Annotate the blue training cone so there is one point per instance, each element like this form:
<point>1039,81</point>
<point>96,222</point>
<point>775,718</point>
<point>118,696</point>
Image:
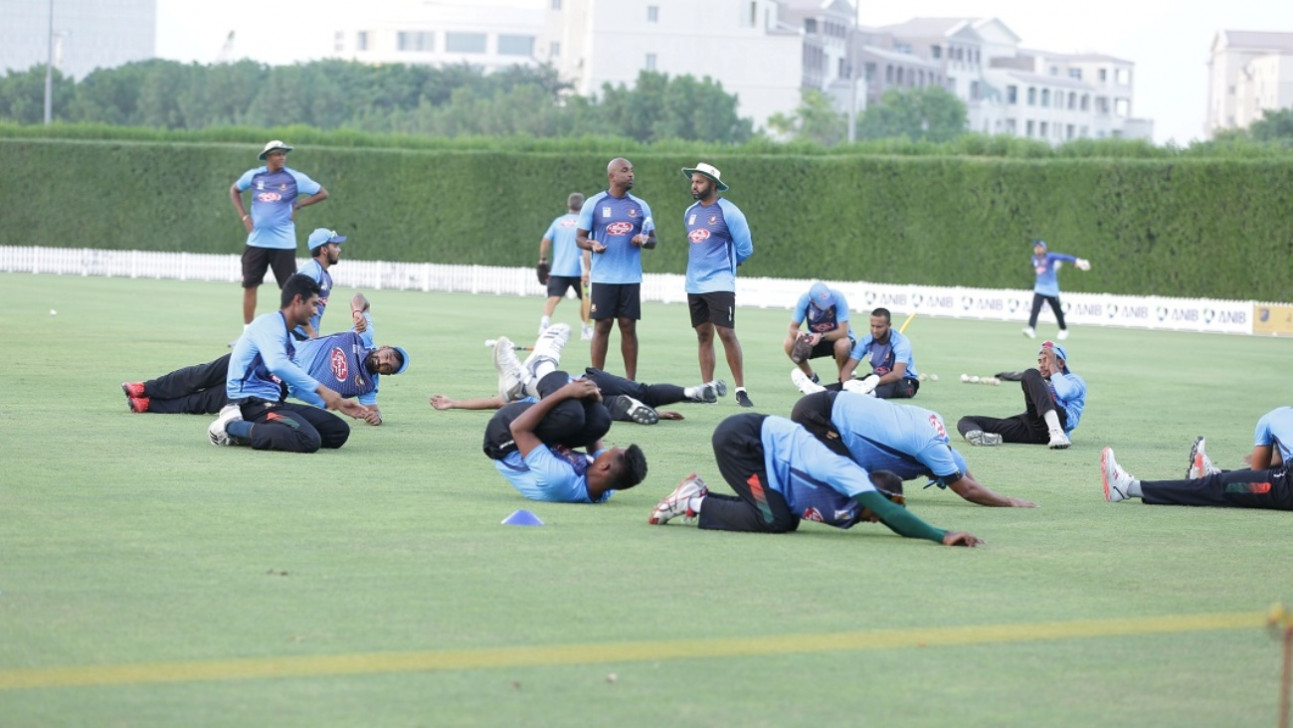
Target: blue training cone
<point>522,518</point>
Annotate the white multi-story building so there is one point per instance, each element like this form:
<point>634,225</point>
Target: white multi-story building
<point>88,34</point>
<point>1249,73</point>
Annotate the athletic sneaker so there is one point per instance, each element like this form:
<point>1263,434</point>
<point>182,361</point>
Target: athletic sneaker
<point>678,502</point>
<point>711,391</point>
<point>133,389</point>
<point>1200,464</point>
<point>511,375</point>
<point>218,430</point>
<point>1028,331</point>
<point>983,439</point>
<point>624,408</point>
<point>1059,441</point>
<point>587,333</point>
<point>803,383</point>
<point>1063,334</point>
<point>1117,482</point>
<point>743,398</point>
<point>138,404</point>
<point>546,356</point>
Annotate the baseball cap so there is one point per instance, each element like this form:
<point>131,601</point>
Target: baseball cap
<point>323,236</point>
<point>271,146</point>
<point>820,294</point>
<point>709,171</point>
<point>404,357</point>
<point>1037,242</point>
<point>1060,353</point>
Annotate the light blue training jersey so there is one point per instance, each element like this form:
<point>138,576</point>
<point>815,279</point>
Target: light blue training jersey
<point>719,241</point>
<point>821,319</point>
<point>884,356</point>
<point>272,198</point>
<point>613,221</point>
<point>818,484</point>
<point>338,362</point>
<point>909,441</point>
<point>567,258</point>
<point>1275,429</point>
<point>1045,266</point>
<point>1069,392</point>
<point>320,275</point>
<point>550,473</point>
<point>262,357</point>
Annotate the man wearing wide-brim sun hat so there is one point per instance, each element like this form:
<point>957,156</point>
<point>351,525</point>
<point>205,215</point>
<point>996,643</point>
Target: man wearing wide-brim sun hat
<point>718,242</point>
<point>277,192</point>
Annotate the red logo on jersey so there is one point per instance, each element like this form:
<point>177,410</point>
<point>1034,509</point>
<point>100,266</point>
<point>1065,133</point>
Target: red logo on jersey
<point>699,235</point>
<point>269,197</point>
<point>338,365</point>
<point>937,423</point>
<point>619,228</point>
<point>569,222</point>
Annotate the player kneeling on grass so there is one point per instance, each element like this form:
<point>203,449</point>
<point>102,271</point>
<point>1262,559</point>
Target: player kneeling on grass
<point>783,474</point>
<point>533,445</point>
<point>1054,398</point>
<point>1265,485</point>
<point>260,364</point>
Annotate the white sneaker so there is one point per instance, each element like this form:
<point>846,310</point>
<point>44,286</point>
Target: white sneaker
<point>1059,440</point>
<point>677,503</point>
<point>711,391</point>
<point>1200,464</point>
<point>1028,331</point>
<point>1117,482</point>
<point>546,356</point>
<point>587,333</point>
<point>803,383</point>
<point>979,438</point>
<point>218,431</point>
<point>1063,334</point>
<point>511,375</point>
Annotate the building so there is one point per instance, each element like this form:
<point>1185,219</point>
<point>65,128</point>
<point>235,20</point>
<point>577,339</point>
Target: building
<point>1249,72</point>
<point>88,34</point>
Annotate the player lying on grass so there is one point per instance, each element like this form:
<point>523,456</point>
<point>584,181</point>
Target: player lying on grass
<point>627,400</point>
<point>349,362</point>
<point>536,445</point>
<point>1054,398</point>
<point>783,474</point>
<point>903,439</point>
<point>1264,485</point>
<point>261,364</point>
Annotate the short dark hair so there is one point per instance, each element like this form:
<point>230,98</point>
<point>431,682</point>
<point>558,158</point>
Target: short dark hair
<point>889,485</point>
<point>299,285</point>
<point>574,201</point>
<point>398,355</point>
<point>882,312</point>
<point>634,467</point>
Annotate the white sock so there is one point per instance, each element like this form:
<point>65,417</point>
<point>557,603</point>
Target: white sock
<point>741,389</point>
<point>691,392</point>
<point>245,327</point>
<point>693,503</point>
<point>1134,490</point>
<point>1053,422</point>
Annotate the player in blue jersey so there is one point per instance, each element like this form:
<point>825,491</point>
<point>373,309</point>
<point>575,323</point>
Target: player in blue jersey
<point>1264,484</point>
<point>260,365</point>
<point>893,368</point>
<point>825,312</point>
<point>325,251</point>
<point>719,241</point>
<point>534,445</point>
<point>1054,398</point>
<point>782,474</point>
<point>1047,287</point>
<point>569,267</point>
<point>615,226</point>
<point>277,192</point>
<point>908,441</point>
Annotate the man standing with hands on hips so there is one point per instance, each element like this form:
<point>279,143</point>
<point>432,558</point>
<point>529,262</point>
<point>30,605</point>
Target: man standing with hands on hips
<point>276,191</point>
<point>615,226</point>
<point>719,241</point>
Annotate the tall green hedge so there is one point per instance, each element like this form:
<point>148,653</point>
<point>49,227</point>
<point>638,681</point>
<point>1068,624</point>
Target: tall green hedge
<point>1176,227</point>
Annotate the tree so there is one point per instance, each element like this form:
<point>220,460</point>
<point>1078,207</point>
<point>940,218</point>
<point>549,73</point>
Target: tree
<point>930,113</point>
<point>659,108</point>
<point>1276,125</point>
<point>816,119</point>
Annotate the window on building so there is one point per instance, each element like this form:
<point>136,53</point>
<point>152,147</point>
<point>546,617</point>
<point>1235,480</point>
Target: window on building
<point>1072,100</point>
<point>415,41</point>
<point>554,49</point>
<point>1122,107</point>
<point>1012,95</point>
<point>935,51</point>
<point>810,26</point>
<point>1046,97</point>
<point>1068,132</point>
<point>1075,73</point>
<point>515,45</point>
<point>902,47</point>
<point>464,42</point>
<point>338,41</point>
<point>898,76</point>
<point>556,4</point>
<point>842,69</point>
<point>870,72</point>
<point>653,13</point>
<point>1086,132</point>
<point>1103,75</point>
<point>920,78</point>
<point>1086,102</point>
<point>1101,105</point>
<point>974,90</point>
<point>1043,129</point>
<point>1122,76</point>
<point>1029,129</point>
<point>1055,70</point>
<point>753,16</point>
<point>361,40</point>
<point>888,74</point>
<point>1032,96</point>
<point>650,61</point>
<point>1011,129</point>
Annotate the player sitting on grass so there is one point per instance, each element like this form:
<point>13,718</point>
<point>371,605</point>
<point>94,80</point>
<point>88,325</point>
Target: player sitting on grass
<point>1054,398</point>
<point>1264,485</point>
<point>783,474</point>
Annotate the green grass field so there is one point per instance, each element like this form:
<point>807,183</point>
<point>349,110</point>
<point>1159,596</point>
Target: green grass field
<point>147,578</point>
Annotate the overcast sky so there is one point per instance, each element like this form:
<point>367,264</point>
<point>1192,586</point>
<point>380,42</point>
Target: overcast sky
<point>1168,40</point>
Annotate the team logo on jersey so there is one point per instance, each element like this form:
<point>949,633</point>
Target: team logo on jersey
<point>359,380</point>
<point>936,422</point>
<point>619,228</point>
<point>713,219</point>
<point>269,197</point>
<point>844,516</point>
<point>691,220</point>
<point>569,222</point>
<point>606,212</point>
<point>633,212</point>
<point>260,185</point>
<point>283,187</point>
<point>812,514</point>
<point>699,235</point>
<point>338,364</point>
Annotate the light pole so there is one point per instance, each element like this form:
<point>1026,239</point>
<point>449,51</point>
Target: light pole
<point>49,68</point>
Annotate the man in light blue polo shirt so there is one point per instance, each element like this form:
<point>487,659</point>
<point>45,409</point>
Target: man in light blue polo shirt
<point>276,195</point>
<point>893,367</point>
<point>569,268</point>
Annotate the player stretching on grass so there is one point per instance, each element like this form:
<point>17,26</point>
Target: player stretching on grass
<point>1047,287</point>
<point>782,474</point>
<point>1265,485</point>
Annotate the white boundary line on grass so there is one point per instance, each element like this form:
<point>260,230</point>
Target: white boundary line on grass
<point>614,652</point>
